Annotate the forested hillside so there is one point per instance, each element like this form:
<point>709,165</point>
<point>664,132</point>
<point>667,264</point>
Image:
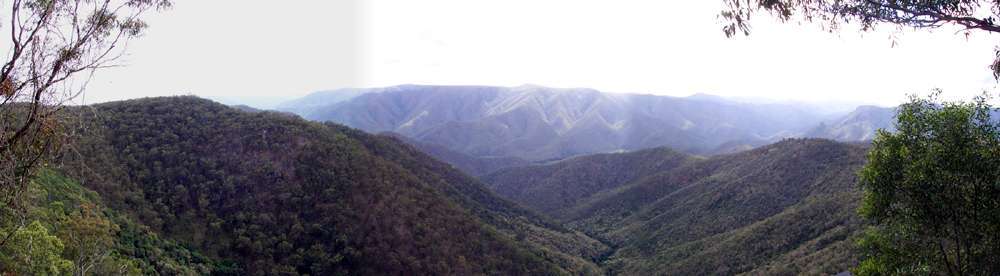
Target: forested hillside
<point>71,231</point>
<point>562,185</point>
<point>271,193</point>
<point>786,208</point>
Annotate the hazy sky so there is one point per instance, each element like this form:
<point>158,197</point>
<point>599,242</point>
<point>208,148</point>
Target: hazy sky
<point>267,50</point>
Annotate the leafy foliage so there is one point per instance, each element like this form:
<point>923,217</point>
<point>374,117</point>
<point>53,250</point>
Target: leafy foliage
<point>73,233</point>
<point>930,189</point>
<point>33,250</point>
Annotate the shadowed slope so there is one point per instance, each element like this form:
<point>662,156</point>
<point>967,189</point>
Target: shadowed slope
<point>552,188</point>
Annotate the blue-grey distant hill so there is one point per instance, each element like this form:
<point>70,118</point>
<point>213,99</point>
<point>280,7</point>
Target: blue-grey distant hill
<point>859,125</point>
<point>540,123</point>
<point>321,99</point>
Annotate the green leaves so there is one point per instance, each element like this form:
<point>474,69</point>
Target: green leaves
<point>31,250</point>
<point>930,191</point>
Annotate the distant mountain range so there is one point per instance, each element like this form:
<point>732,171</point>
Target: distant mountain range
<point>540,124</point>
<point>859,125</point>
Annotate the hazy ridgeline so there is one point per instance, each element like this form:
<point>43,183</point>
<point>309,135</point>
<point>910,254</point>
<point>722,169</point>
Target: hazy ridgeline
<point>481,129</point>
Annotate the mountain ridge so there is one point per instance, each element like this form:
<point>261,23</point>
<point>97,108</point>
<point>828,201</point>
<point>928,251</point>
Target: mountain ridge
<point>537,123</point>
<point>859,125</point>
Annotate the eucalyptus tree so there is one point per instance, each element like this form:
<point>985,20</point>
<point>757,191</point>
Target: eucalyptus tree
<point>53,49</point>
<point>932,192</point>
<point>969,15</point>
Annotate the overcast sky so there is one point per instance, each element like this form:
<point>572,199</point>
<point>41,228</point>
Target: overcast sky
<point>269,50</point>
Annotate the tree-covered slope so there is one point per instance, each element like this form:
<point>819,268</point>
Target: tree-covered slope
<point>552,188</point>
<point>71,232</point>
<point>474,196</point>
<point>786,208</point>
<point>748,213</point>
<point>276,194</point>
